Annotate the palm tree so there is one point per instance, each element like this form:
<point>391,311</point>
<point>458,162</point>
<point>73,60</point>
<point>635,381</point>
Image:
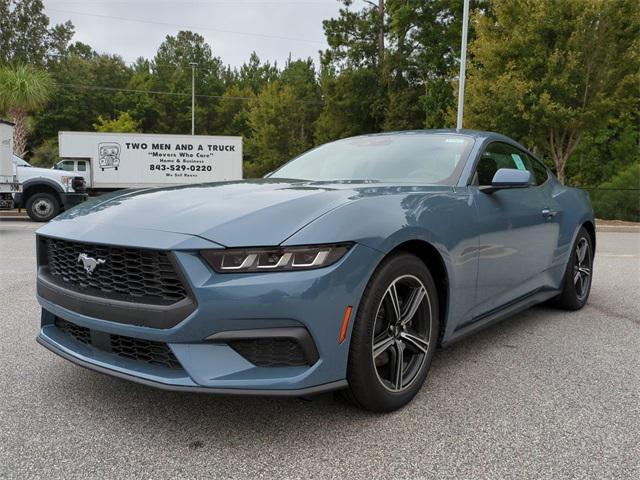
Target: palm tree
<point>23,88</point>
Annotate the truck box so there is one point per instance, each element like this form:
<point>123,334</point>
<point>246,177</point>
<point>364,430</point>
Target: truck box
<point>132,160</point>
<point>9,184</point>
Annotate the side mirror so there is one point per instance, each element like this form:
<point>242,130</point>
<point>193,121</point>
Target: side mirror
<point>506,178</point>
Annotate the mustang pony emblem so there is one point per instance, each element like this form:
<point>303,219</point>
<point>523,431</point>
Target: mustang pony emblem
<point>90,263</point>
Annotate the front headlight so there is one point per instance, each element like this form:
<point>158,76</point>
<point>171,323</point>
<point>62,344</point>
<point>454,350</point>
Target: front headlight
<point>277,259</point>
<point>66,181</point>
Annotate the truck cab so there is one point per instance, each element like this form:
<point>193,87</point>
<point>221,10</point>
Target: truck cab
<point>46,192</point>
<point>76,167</point>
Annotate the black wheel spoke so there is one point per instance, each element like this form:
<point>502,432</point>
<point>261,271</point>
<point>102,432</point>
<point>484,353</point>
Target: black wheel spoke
<point>414,342</point>
<point>382,345</point>
<point>413,303</point>
<point>392,294</point>
<point>397,366</point>
<point>582,268</point>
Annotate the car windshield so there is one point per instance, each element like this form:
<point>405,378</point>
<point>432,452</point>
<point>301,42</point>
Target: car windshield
<point>20,162</point>
<point>415,158</point>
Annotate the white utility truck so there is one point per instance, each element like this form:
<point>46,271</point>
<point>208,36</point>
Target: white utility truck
<point>111,161</point>
<point>41,191</point>
<point>8,180</point>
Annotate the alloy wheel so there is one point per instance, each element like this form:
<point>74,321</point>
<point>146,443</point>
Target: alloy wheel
<point>401,333</point>
<point>582,268</point>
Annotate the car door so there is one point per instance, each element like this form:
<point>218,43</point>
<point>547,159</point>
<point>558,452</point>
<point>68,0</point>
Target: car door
<point>517,236</point>
<point>82,171</point>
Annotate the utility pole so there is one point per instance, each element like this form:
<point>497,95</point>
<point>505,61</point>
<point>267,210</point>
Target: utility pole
<point>193,97</point>
<point>381,33</point>
<point>463,63</point>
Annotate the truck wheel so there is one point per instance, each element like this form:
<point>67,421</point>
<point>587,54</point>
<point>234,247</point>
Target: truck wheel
<point>42,207</point>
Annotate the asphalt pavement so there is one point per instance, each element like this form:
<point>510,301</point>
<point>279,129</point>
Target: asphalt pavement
<point>546,394</point>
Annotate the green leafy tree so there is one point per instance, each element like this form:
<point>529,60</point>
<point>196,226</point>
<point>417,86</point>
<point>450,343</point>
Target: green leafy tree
<point>352,73</point>
<point>123,123</point>
<point>172,73</point>
<point>232,112</point>
<point>301,77</point>
<point>422,62</point>
<point>255,75</point>
<point>619,198</point>
<point>46,154</point>
<point>351,106</point>
<point>87,87</point>
<point>25,35</point>
<point>276,137</point>
<point>546,72</point>
<point>23,88</point>
<point>605,151</point>
<point>400,60</point>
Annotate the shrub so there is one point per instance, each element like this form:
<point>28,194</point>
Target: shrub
<point>619,198</point>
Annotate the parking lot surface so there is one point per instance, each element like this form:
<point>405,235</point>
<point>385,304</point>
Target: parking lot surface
<point>546,394</point>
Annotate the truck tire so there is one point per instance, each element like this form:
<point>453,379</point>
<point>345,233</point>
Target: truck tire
<point>42,207</point>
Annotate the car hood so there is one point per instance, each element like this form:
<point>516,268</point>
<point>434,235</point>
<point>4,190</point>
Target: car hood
<point>245,213</point>
<point>23,173</point>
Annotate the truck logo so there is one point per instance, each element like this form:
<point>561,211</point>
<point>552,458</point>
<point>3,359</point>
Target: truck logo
<point>109,155</point>
<point>89,263</point>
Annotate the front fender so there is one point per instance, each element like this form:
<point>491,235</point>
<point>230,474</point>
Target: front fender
<point>445,219</point>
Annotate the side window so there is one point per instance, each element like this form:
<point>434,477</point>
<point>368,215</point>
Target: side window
<point>82,166</point>
<point>66,165</point>
<point>501,155</point>
<point>539,171</point>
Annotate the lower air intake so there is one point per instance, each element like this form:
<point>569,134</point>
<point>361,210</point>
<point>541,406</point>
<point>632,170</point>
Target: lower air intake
<point>147,351</point>
<point>271,352</point>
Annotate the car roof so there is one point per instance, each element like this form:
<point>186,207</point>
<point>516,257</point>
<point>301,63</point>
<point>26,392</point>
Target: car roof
<point>480,135</point>
<point>444,131</point>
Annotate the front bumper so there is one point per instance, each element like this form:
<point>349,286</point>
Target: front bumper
<point>190,387</point>
<point>313,300</point>
<point>70,200</point>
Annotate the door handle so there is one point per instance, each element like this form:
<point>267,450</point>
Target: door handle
<point>547,213</point>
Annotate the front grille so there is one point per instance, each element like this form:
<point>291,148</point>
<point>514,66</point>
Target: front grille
<point>270,352</point>
<point>147,351</point>
<point>129,274</point>
<point>78,184</point>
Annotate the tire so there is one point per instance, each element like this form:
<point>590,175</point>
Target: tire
<point>576,284</point>
<point>42,207</point>
<point>374,382</point>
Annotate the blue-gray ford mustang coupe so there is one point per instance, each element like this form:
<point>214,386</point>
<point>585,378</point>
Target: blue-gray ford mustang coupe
<point>344,269</point>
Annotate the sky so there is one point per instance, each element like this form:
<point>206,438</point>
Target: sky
<point>233,28</point>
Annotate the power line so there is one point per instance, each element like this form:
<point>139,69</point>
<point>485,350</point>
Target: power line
<point>153,65</point>
<point>191,27</point>
<point>162,92</point>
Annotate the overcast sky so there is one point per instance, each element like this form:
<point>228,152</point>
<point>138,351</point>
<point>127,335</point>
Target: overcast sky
<point>233,28</point>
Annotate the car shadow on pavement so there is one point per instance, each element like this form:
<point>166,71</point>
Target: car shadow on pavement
<point>195,421</point>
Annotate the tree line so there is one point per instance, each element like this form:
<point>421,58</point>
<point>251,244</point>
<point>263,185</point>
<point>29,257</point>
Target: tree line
<point>561,77</point>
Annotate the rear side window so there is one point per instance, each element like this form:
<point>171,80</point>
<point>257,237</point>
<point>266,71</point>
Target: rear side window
<point>501,155</point>
<point>82,167</point>
<point>539,171</point>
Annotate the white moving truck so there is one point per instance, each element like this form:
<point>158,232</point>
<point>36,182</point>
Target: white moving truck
<point>110,161</point>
